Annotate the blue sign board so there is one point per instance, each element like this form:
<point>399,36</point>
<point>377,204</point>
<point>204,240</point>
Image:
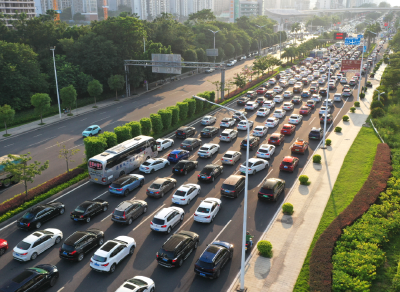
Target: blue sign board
<point>352,41</point>
<point>360,36</point>
<point>58,11</point>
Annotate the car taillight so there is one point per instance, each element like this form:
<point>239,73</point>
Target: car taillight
<point>174,260</point>
<point>208,177</point>
<point>181,170</point>
<point>119,189</point>
<point>27,225</point>
<point>103,179</point>
<point>24,253</point>
<point>124,215</point>
<point>105,265</point>
<point>184,133</point>
<point>198,175</point>
<point>72,253</point>
<point>164,226</point>
<point>230,160</point>
<point>81,216</point>
<point>110,187</point>
<point>91,261</point>
<point>183,199</point>
<point>151,222</point>
<point>157,255</point>
<point>146,167</point>
<point>208,152</point>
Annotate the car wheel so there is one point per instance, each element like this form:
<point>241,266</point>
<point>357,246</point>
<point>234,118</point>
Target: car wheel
<point>212,179</point>
<point>169,230</point>
<point>2,251</point>
<point>132,250</point>
<point>90,135</point>
<point>188,202</point>
<point>185,173</point>
<point>217,274</point>
<point>222,170</point>
<point>196,165</point>
<point>105,208</point>
<point>254,172</point>
<point>130,221</point>
<point>38,225</point>
<point>182,217</point>
<point>87,219</point>
<point>212,219</point>
<point>152,171</point>
<point>145,210</point>
<point>112,268</point>
<point>101,241</point>
<point>62,210</point>
<point>126,193</point>
<point>231,254</point>
<point>174,185</point>
<point>162,194</point>
<point>34,256</point>
<point>180,263</point>
<point>81,256</point>
<point>53,281</point>
<point>196,244</point>
<point>141,183</point>
<point>6,183</point>
<point>152,289</point>
<point>58,239</point>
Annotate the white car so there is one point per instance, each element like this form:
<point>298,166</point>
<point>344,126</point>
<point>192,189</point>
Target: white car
<point>310,78</point>
<point>277,89</point>
<point>36,243</point>
<point>228,135</point>
<point>111,253</point>
<point>185,193</point>
<point>302,68</point>
<point>288,94</point>
<point>337,97</point>
<point>208,150</point>
<point>209,70</point>
<point>316,97</point>
<point>279,113</point>
<point>242,125</point>
<point>292,81</point>
<point>324,76</point>
<point>254,165</point>
<point>316,75</point>
<point>152,165</point>
<point>271,122</point>
<point>231,157</point>
<point>272,81</point>
<point>230,64</point>
<point>208,120</point>
<point>266,151</point>
<point>269,104</point>
<point>163,144</point>
<point>321,81</point>
<point>322,70</point>
<point>297,77</point>
<point>287,106</point>
<point>227,122</point>
<point>336,66</point>
<point>207,210</point>
<point>295,119</point>
<point>278,98</point>
<point>324,110</point>
<point>343,80</point>
<point>166,219</point>
<point>251,105</point>
<point>137,284</point>
<point>263,112</point>
<point>260,131</point>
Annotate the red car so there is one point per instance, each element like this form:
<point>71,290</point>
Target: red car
<point>261,90</point>
<point>276,139</point>
<point>288,129</point>
<point>305,110</point>
<point>299,146</point>
<point>289,163</point>
<point>3,246</point>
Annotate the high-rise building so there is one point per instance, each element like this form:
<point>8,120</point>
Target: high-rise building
<point>221,6</point>
<point>248,8</point>
<point>9,7</point>
<point>140,8</point>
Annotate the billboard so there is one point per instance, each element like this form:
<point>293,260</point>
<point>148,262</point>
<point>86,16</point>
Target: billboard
<point>212,52</point>
<point>175,60</point>
<point>339,35</point>
<point>351,65</point>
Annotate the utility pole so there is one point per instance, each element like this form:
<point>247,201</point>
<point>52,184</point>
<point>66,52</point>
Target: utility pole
<point>55,73</point>
<point>259,41</point>
<point>214,32</point>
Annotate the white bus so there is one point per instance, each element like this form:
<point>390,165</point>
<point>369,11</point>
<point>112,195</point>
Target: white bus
<point>121,159</point>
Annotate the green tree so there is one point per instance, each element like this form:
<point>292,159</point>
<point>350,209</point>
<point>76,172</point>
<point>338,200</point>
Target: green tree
<point>66,154</point>
<point>24,170</point>
<point>68,96</point>
<point>41,102</point>
<point>384,4</point>
<point>116,82</point>
<point>6,115</point>
<point>229,50</point>
<point>190,55</point>
<point>95,88</point>
<point>204,15</point>
<point>240,80</point>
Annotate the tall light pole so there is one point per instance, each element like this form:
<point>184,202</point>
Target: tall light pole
<point>326,101</point>
<point>214,32</point>
<point>55,73</point>
<point>259,41</point>
<point>243,260</point>
<point>379,94</point>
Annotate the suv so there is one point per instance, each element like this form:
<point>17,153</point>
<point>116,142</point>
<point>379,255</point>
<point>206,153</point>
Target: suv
<point>177,248</point>
<point>127,211</point>
<point>228,135</point>
<point>271,189</point>
<point>184,132</point>
<point>213,259</point>
<point>233,185</point>
<point>81,242</point>
<point>254,142</point>
<point>166,219</point>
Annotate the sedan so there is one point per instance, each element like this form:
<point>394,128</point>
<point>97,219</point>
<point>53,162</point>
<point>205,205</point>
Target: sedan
<point>208,120</point>
<point>343,80</point>
<point>269,104</point>
<point>126,183</point>
<point>92,130</point>
<point>289,163</point>
<point>210,172</point>
<point>263,112</point>
<point>160,187</point>
<point>152,165</point>
<point>306,94</point>
<point>288,94</point>
<point>209,132</point>
<point>3,246</point>
<point>231,157</point>
<point>287,106</point>
<point>251,105</point>
<point>254,141</point>
<point>311,104</point>
<point>292,81</point>
<point>352,82</point>
<point>323,110</point>
<point>137,284</point>
<point>279,113</point>
<point>186,193</point>
<point>227,122</point>
<point>238,116</point>
<point>272,81</point>
<point>260,131</point>
<point>242,100</point>
<point>278,99</point>
<point>272,122</point>
<point>316,97</point>
<point>277,89</point>
<point>254,165</point>
<point>323,92</point>
<point>329,118</point>
<point>163,144</point>
<point>37,215</point>
<point>184,166</point>
<point>228,135</point>
<point>208,150</point>
<point>276,139</point>
<point>242,125</point>
<point>266,151</point>
<point>190,143</point>
<point>288,129</point>
<point>176,155</point>
<point>347,93</point>
<point>207,210</point>
<point>296,100</point>
<point>295,119</point>
<point>88,209</point>
<point>261,90</point>
<point>209,70</point>
<point>299,146</point>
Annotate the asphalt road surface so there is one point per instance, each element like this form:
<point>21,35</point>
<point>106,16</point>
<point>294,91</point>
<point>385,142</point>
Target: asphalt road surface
<point>227,226</point>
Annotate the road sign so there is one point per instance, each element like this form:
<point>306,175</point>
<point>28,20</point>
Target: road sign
<point>212,52</point>
<point>360,36</point>
<point>352,41</point>
<point>351,65</point>
<point>365,49</point>
<point>339,35</point>
<point>174,66</point>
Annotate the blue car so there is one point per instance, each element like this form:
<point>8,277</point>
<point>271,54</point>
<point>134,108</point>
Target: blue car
<point>176,155</point>
<point>91,130</point>
<point>126,183</point>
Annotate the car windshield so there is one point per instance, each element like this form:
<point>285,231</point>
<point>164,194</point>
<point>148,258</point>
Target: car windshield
<point>180,165</point>
<point>118,213</point>
<point>187,141</point>
<point>250,164</point>
<point>208,266</point>
<point>158,143</point>
<point>80,209</point>
<point>228,187</point>
<point>228,156</point>
<point>180,193</point>
<point>158,221</point>
<point>204,148</point>
<point>173,156</point>
<point>203,210</point>
<point>115,185</point>
<point>207,170</point>
<point>286,163</point>
<point>164,253</point>
<point>23,245</point>
<point>155,186</point>
<point>68,248</point>
<point>206,130</point>
<point>273,138</point>
<point>28,216</point>
<point>88,129</point>
<point>267,191</point>
<point>146,163</point>
<point>262,150</point>
<point>99,258</point>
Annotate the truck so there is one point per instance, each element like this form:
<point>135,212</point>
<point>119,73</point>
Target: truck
<point>5,177</point>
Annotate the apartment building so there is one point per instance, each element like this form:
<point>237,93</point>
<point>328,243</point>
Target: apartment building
<point>9,7</point>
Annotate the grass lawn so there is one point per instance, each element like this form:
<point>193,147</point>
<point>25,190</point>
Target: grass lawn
<point>355,170</point>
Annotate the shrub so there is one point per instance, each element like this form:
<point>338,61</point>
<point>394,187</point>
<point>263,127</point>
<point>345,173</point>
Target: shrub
<point>123,133</point>
<point>146,125</point>
<point>175,115</point>
<point>317,158</point>
<point>321,257</point>
<point>287,208</point>
<point>199,105</point>
<point>375,104</point>
<point>328,142</point>
<point>94,146</point>
<point>377,112</point>
<point>345,118</point>
<point>352,109</point>
<point>357,104</point>
<point>111,139</point>
<point>338,129</point>
<point>183,110</point>
<point>191,106</point>
<point>212,96</point>
<point>304,180</point>
<point>166,117</point>
<point>136,128</point>
<point>205,95</point>
<point>396,279</point>
<point>362,95</point>
<point>265,248</point>
<point>156,121</point>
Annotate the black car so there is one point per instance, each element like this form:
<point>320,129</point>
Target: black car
<point>184,132</point>
<point>184,166</point>
<point>210,172</point>
<point>177,248</point>
<point>213,259</point>
<point>271,189</point>
<point>209,131</point>
<point>39,214</point>
<point>315,133</point>
<point>254,142</point>
<point>32,279</point>
<point>323,91</point>
<point>79,243</point>
<point>270,95</point>
<point>191,143</point>
<point>88,209</point>
<point>242,100</point>
<point>127,211</point>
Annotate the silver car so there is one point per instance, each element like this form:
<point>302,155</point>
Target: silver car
<point>231,157</point>
<point>228,135</point>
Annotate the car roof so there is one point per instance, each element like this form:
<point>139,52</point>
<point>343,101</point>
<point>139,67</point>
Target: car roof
<point>123,205</point>
<point>160,180</point>
<point>74,237</point>
<point>233,179</point>
<point>231,152</point>
<point>211,166</point>
<point>164,212</point>
<point>176,151</point>
<point>208,145</point>
<point>174,241</point>
<point>288,159</point>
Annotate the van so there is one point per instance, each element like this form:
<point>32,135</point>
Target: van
<point>233,185</point>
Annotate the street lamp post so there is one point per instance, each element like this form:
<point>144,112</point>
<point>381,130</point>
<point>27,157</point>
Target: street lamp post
<point>379,94</point>
<point>214,32</point>
<point>326,101</point>
<point>259,41</point>
<point>55,73</point>
<point>366,75</point>
<point>243,259</point>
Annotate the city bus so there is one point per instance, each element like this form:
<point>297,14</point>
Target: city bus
<point>121,159</point>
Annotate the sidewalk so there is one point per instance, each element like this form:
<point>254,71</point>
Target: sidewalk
<point>291,236</point>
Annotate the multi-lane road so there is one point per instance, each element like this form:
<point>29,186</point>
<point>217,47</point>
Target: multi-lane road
<point>227,226</point>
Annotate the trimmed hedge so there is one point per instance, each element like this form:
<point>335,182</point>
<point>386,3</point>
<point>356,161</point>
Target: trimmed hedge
<point>136,128</point>
<point>316,158</point>
<point>192,106</point>
<point>287,208</point>
<point>94,146</point>
<point>123,133</point>
<point>265,248</point>
<point>183,110</point>
<point>156,121</point>
<point>338,129</point>
<point>345,118</point>
<point>146,125</point>
<point>111,139</point>
<point>20,199</point>
<point>303,179</point>
<point>175,114</point>
<point>321,257</point>
<point>199,105</point>
<point>166,117</point>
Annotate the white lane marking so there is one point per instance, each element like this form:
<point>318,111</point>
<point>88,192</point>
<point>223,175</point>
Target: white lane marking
<point>184,223</point>
<point>75,146</point>
<point>60,289</point>
<point>114,122</point>
<point>37,135</point>
<point>69,192</point>
<point>102,113</point>
<point>148,217</point>
<point>83,119</point>
<point>311,120</point>
<point>264,178</point>
<point>101,119</point>
<point>156,105</point>
<point>100,195</point>
<point>61,127</point>
<point>42,141</point>
<point>8,225</point>
<point>222,230</point>
<point>119,106</point>
<point>9,145</point>
<point>106,217</point>
<point>60,143</point>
